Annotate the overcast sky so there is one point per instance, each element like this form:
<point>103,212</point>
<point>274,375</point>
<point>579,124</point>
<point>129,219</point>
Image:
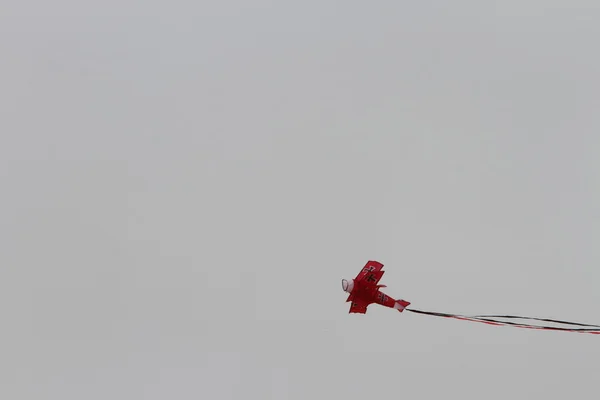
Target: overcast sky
<point>185,184</point>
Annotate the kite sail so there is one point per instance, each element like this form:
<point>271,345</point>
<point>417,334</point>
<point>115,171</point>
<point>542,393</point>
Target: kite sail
<point>364,290</point>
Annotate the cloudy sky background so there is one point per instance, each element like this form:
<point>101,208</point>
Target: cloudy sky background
<point>184,184</point>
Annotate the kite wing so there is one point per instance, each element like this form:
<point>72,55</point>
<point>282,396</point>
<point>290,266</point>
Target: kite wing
<point>371,273</point>
<point>358,306</point>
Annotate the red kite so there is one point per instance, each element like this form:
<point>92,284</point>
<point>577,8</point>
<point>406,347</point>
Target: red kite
<point>364,290</point>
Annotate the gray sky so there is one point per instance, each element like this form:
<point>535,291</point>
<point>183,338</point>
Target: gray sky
<point>184,184</point>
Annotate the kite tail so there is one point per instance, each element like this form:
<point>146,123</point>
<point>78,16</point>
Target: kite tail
<point>497,320</point>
